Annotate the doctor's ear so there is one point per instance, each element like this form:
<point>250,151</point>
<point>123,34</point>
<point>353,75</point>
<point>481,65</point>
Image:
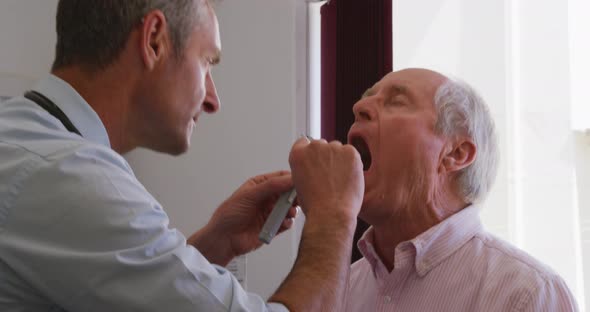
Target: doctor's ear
<point>155,43</point>
<point>458,156</point>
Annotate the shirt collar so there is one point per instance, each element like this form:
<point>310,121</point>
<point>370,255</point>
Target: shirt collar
<point>80,113</point>
<point>431,247</point>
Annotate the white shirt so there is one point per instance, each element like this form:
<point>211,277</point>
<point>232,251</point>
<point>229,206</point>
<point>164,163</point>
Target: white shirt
<point>78,232</point>
<point>455,266</point>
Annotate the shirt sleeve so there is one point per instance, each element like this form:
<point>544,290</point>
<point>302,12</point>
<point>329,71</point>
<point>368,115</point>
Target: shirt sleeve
<point>89,237</point>
<point>552,295</point>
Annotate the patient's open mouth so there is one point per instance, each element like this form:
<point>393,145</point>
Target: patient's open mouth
<point>363,149</point>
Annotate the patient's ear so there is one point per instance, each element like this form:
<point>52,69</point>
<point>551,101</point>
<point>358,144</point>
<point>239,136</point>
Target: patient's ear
<point>457,156</point>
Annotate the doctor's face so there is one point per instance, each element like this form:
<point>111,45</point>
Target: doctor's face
<point>184,89</point>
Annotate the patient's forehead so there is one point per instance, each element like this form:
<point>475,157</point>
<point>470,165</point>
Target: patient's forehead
<point>423,82</point>
<point>417,84</point>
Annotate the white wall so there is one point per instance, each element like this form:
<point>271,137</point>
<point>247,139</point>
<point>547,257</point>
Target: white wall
<point>27,41</point>
<point>262,93</point>
<point>447,36</point>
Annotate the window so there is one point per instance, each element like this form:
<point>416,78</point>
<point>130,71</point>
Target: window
<point>580,62</point>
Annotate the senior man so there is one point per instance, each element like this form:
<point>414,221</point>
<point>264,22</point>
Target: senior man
<point>430,155</point>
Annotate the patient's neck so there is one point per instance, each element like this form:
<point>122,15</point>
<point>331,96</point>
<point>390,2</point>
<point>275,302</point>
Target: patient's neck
<point>411,221</point>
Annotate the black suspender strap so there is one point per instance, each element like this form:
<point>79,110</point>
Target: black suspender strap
<point>51,108</point>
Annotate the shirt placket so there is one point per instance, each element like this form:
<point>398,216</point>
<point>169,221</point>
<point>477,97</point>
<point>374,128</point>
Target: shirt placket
<point>390,292</point>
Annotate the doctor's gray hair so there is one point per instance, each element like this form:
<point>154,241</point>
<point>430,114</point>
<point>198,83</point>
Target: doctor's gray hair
<point>93,33</point>
<point>461,111</point>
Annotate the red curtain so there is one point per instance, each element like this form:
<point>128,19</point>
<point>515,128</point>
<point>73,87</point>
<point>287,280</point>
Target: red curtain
<point>356,53</point>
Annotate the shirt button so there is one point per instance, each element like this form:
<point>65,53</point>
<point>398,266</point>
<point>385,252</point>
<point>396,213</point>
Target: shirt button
<point>387,299</point>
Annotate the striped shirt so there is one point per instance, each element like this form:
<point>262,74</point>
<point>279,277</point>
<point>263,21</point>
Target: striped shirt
<point>455,266</point>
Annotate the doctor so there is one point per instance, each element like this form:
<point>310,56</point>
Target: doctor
<point>78,232</point>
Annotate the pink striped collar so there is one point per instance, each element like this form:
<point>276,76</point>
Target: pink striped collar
<point>430,248</point>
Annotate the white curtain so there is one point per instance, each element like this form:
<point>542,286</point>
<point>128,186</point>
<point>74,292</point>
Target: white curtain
<point>524,56</point>
<point>583,183</point>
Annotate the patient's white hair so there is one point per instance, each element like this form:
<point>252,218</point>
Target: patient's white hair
<point>461,111</point>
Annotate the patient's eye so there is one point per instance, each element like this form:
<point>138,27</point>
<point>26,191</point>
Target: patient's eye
<point>395,102</point>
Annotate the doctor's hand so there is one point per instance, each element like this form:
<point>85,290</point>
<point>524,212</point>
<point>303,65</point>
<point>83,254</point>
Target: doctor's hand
<point>234,227</point>
<point>330,187</point>
<point>328,178</point>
